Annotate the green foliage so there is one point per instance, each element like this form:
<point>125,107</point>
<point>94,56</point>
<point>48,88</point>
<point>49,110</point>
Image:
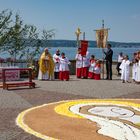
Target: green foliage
<point>47,36</point>
<point>21,40</point>
<point>32,45</point>
<point>15,42</point>
<point>5,20</point>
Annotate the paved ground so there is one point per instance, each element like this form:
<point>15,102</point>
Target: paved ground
<point>12,102</point>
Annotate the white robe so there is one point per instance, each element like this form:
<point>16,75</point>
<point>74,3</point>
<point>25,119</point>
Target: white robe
<point>92,67</point>
<point>138,72</point>
<point>42,76</point>
<point>64,62</point>
<point>125,70</point>
<point>97,70</point>
<point>86,60</point>
<point>78,58</point>
<point>56,60</point>
<point>134,71</point>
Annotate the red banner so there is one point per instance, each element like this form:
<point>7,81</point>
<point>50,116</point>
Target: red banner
<point>84,46</point>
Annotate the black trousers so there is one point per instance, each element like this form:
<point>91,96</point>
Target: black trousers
<point>56,75</point>
<point>118,67</point>
<point>109,70</point>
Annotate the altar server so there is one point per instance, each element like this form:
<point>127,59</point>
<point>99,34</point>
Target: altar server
<point>97,70</point>
<point>64,68</point>
<point>78,58</point>
<point>92,67</point>
<point>85,65</point>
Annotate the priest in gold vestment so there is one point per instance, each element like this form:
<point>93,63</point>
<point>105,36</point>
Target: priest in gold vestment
<point>46,66</point>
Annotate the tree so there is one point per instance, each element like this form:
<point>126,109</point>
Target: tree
<point>15,42</point>
<point>5,20</point>
<point>35,45</point>
<point>47,36</point>
<point>32,45</point>
<point>20,40</point>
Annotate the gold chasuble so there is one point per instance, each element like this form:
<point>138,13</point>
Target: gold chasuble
<point>46,64</point>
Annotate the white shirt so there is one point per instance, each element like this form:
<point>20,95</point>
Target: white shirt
<point>97,70</point>
<point>120,58</point>
<point>92,66</point>
<point>78,58</point>
<point>86,60</point>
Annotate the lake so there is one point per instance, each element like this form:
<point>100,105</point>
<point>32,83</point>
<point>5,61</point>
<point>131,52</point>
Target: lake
<point>71,52</point>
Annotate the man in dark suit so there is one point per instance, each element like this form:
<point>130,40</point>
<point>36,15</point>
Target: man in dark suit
<point>108,58</point>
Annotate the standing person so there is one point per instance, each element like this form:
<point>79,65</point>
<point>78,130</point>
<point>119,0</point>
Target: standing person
<point>138,68</point>
<point>97,70</point>
<point>85,65</point>
<point>92,67</point>
<point>120,58</point>
<point>134,67</point>
<point>56,59</point>
<point>64,68</point>
<point>108,58</point>
<point>78,58</point>
<point>125,67</point>
<point>46,66</point>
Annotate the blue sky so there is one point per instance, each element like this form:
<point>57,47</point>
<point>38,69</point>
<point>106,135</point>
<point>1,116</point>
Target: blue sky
<point>65,16</point>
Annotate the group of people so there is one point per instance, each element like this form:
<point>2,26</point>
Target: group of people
<point>86,66</point>
<point>57,66</point>
<point>53,67</point>
<point>123,67</point>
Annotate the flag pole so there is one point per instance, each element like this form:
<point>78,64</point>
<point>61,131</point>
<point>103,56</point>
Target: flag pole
<point>102,46</point>
<point>103,50</point>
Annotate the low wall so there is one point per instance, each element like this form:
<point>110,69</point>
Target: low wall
<point>114,64</point>
<point>72,66</point>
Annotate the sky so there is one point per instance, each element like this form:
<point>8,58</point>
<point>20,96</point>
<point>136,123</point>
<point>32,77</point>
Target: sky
<point>65,16</point>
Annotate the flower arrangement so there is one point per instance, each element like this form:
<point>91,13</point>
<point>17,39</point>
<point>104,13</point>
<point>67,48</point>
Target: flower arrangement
<point>34,71</point>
